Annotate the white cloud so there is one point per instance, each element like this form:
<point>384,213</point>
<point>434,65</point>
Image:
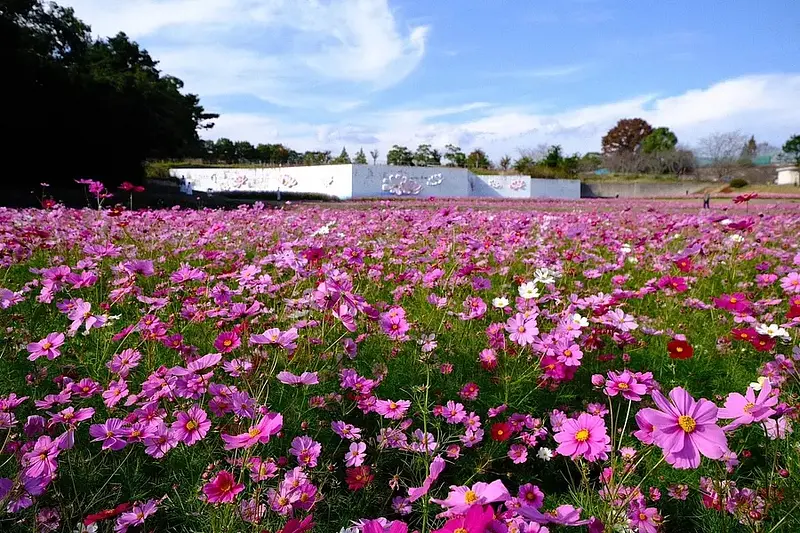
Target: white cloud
<point>294,53</point>
<point>763,105</point>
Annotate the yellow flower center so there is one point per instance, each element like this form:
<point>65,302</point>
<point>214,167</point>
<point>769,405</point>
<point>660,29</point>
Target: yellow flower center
<point>748,406</point>
<point>733,300</point>
<point>521,329</point>
<point>582,435</point>
<point>227,342</point>
<point>470,497</point>
<point>460,530</point>
<point>568,353</point>
<point>622,386</point>
<point>687,423</point>
<point>500,432</point>
<point>642,517</point>
<point>190,425</point>
<point>679,349</point>
<point>255,432</point>
<point>46,346</point>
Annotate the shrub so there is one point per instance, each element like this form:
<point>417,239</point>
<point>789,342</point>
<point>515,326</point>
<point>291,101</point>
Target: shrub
<point>738,183</point>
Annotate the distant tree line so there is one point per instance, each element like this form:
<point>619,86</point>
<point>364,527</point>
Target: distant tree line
<point>78,107</point>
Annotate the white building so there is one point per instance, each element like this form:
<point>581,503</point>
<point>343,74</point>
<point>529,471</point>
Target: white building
<point>788,176</point>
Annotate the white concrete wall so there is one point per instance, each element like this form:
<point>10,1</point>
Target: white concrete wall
<point>331,180</point>
<point>788,176</point>
<point>507,186</point>
<point>421,182</point>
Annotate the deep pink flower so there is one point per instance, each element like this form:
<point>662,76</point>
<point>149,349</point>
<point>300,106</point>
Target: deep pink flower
<point>626,385</point>
<point>393,410</point>
<point>223,488</point>
<point>227,341</point>
<point>685,429</point>
<point>111,432</point>
<point>476,520</point>
<point>460,499</point>
<point>585,436</point>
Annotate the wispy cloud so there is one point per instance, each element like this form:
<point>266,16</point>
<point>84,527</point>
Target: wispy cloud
<point>289,53</point>
<point>763,105</point>
<point>550,72</point>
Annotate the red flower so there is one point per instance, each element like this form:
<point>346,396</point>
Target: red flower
<point>763,343</point>
<point>680,350</point>
<point>108,513</point>
<point>744,334</point>
<point>684,265</point>
<point>298,526</point>
<point>358,477</point>
<point>793,312</point>
<point>501,431</point>
<point>126,186</point>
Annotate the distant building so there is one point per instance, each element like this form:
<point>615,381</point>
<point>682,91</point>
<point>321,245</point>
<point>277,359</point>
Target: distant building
<point>788,176</point>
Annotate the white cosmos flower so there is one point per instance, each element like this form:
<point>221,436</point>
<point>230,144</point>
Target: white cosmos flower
<point>759,383</point>
<point>736,238</point>
<point>773,330</point>
<point>625,248</point>
<point>501,302</point>
<point>545,454</point>
<point>528,290</point>
<point>580,320</point>
<point>632,260</point>
<point>545,276</point>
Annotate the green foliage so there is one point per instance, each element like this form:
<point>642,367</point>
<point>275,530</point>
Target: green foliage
<point>792,148</point>
<point>374,155</point>
<point>454,156</point>
<point>399,155</point>
<point>106,106</point>
<point>660,140</point>
<point>360,158</point>
<point>343,158</point>
<point>738,183</point>
<point>426,156</point>
<point>477,159</point>
<point>505,162</point>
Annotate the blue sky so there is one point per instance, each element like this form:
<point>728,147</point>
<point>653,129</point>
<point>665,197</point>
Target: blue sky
<point>502,75</point>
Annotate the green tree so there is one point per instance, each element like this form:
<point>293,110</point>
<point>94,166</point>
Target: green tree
<point>343,158</point>
<point>505,162</point>
<point>454,156</point>
<point>225,150</point>
<point>523,164</point>
<point>425,156</point>
<point>317,158</point>
<point>792,148</point>
<point>360,158</point>
<point>626,136</point>
<point>477,159</point>
<point>399,155</point>
<point>374,155</point>
<point>660,140</point>
<point>553,158</point>
<point>100,106</point>
<point>245,151</point>
<point>750,149</point>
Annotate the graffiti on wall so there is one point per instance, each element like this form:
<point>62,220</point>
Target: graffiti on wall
<point>401,184</point>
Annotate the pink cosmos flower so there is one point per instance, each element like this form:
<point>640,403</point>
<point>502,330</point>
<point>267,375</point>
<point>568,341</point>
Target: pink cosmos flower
<point>685,429</point>
<point>436,468</point>
<point>111,432</point>
<point>356,455</point>
<point>306,450</point>
<point>227,341</point>
<point>584,436</point>
<point>136,516</point>
<point>626,385</point>
<point>791,283</point>
<point>453,412</point>
<point>40,462</point>
<point>47,347</point>
<point>748,408</point>
<point>306,378</point>
<point>123,362</point>
<point>521,330</point>
<point>160,441</point>
<point>377,526</point>
<point>269,425</point>
<point>223,488</point>
<point>393,410</point>
<point>518,453</point>
<point>460,499</point>
<point>644,519</point>
<point>531,495</point>
<point>191,426</point>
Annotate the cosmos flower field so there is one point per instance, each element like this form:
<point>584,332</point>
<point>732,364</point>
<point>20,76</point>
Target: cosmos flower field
<point>400,366</point>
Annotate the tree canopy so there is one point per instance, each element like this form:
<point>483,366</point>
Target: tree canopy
<point>660,140</point>
<point>101,107</point>
<point>626,136</point>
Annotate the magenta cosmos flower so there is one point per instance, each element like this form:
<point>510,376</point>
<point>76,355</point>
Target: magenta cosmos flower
<point>521,330</point>
<point>306,378</point>
<point>223,488</point>
<point>227,341</point>
<point>584,436</point>
<point>748,408</point>
<point>269,425</point>
<point>191,426</point>
<point>47,347</point>
<point>625,384</point>
<point>685,429</point>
